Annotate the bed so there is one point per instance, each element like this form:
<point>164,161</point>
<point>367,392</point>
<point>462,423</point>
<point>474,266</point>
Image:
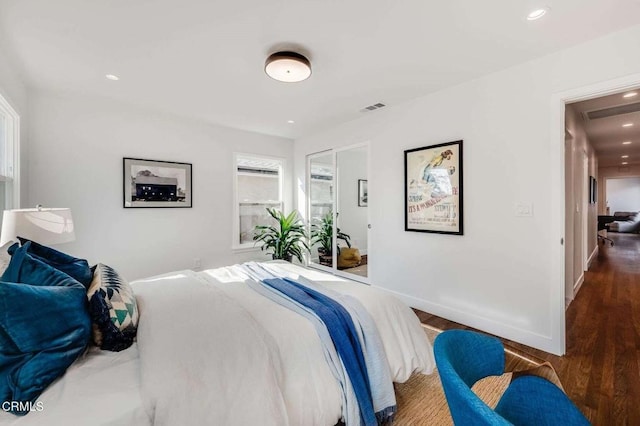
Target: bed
<point>211,349</point>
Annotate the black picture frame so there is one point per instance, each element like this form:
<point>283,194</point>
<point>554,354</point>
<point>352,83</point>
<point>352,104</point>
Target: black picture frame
<point>156,184</point>
<point>593,190</point>
<point>433,189</point>
<point>363,193</point>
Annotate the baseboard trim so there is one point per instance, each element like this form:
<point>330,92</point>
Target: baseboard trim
<point>507,331</point>
<point>578,285</point>
<point>593,255</point>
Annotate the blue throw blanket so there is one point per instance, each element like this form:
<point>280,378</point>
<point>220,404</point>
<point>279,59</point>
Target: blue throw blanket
<point>343,334</point>
<point>355,325</point>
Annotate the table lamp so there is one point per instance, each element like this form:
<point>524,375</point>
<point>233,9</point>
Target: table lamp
<point>43,225</point>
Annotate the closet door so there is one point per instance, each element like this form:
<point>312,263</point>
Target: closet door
<point>352,211</point>
<point>338,211</point>
<point>320,198</point>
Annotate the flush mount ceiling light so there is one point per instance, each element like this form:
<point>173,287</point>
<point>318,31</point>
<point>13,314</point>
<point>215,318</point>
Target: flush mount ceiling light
<point>627,125</point>
<point>290,121</point>
<point>288,67</point>
<point>630,95</point>
<point>625,162</point>
<point>112,77</point>
<point>625,156</point>
<point>626,143</point>
<point>537,14</point>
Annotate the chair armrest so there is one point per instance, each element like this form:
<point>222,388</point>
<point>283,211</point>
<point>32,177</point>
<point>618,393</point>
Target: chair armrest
<point>532,400</point>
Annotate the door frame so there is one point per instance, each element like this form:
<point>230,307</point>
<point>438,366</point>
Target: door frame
<point>557,193</point>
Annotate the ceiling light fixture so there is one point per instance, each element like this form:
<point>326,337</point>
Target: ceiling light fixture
<point>624,163</point>
<point>290,121</point>
<point>626,143</point>
<point>112,77</point>
<point>630,95</point>
<point>625,156</point>
<point>627,125</point>
<point>537,14</point>
<point>288,67</point>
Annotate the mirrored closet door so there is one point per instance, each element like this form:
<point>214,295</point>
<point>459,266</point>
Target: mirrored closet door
<point>338,206</point>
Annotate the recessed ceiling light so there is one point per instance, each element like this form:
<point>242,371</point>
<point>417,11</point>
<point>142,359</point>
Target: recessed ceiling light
<point>627,125</point>
<point>630,95</point>
<point>537,14</point>
<point>112,77</point>
<point>290,121</point>
<point>624,162</point>
<point>626,143</point>
<point>625,156</point>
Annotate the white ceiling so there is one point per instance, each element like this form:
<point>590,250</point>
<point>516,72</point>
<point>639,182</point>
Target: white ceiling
<point>607,134</point>
<point>204,59</point>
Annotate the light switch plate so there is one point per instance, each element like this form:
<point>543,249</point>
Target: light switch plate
<point>524,209</point>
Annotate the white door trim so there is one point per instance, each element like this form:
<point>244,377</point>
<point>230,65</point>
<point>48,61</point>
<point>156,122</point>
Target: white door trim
<point>557,193</point>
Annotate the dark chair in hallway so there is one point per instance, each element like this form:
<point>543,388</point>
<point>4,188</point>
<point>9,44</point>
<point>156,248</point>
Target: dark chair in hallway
<point>603,225</point>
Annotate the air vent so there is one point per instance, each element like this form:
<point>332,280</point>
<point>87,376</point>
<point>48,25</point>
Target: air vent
<point>611,112</point>
<point>373,107</point>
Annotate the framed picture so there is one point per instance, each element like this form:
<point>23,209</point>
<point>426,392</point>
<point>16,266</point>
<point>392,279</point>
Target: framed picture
<point>151,183</point>
<point>593,190</point>
<point>433,189</point>
<point>363,193</point>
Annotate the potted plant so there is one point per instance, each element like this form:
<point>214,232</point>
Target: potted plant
<point>322,234</point>
<point>286,239</point>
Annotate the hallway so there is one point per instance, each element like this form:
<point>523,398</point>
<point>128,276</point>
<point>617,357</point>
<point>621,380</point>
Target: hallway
<point>601,371</point>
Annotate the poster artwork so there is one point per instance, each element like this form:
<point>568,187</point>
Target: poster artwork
<point>434,188</point>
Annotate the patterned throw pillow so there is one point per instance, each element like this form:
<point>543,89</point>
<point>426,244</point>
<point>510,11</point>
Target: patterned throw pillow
<point>113,309</point>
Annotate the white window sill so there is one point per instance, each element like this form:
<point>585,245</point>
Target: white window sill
<point>245,248</point>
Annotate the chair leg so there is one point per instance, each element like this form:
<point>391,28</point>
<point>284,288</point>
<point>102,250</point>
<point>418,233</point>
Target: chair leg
<point>603,239</point>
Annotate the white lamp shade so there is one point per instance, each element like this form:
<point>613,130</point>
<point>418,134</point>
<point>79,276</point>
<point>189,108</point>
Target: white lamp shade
<point>45,226</point>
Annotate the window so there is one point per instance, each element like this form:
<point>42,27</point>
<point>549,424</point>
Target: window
<point>258,184</point>
<point>9,160</point>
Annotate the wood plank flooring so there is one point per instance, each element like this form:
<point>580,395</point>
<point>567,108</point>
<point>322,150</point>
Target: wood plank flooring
<point>601,369</point>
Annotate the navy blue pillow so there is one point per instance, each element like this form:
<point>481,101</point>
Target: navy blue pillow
<point>44,327</point>
<point>72,266</point>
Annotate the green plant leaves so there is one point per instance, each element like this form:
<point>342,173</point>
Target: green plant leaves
<point>285,240</point>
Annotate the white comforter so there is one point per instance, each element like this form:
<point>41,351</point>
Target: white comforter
<point>213,351</point>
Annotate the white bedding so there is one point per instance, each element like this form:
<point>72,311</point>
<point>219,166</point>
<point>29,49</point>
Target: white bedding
<point>101,387</point>
<point>213,351</point>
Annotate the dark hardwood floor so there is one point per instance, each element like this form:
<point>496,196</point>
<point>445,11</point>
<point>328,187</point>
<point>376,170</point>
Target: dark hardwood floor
<point>601,369</point>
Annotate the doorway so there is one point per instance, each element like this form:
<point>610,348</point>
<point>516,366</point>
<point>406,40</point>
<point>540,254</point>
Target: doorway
<point>560,203</point>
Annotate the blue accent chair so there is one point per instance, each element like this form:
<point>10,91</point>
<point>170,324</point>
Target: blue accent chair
<point>464,357</point>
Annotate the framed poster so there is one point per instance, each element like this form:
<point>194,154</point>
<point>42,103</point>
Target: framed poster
<point>433,189</point>
<point>363,193</point>
<point>151,183</point>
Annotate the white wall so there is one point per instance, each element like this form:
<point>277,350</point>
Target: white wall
<point>501,275</point>
<point>76,161</point>
<point>576,200</point>
<point>14,91</point>
<point>606,173</point>
<point>623,194</point>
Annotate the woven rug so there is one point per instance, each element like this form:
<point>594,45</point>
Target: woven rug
<point>421,399</point>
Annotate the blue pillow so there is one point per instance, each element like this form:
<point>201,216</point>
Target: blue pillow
<point>72,266</point>
<point>44,327</point>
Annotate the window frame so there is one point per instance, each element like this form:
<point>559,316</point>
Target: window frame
<point>11,166</point>
<point>235,237</point>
